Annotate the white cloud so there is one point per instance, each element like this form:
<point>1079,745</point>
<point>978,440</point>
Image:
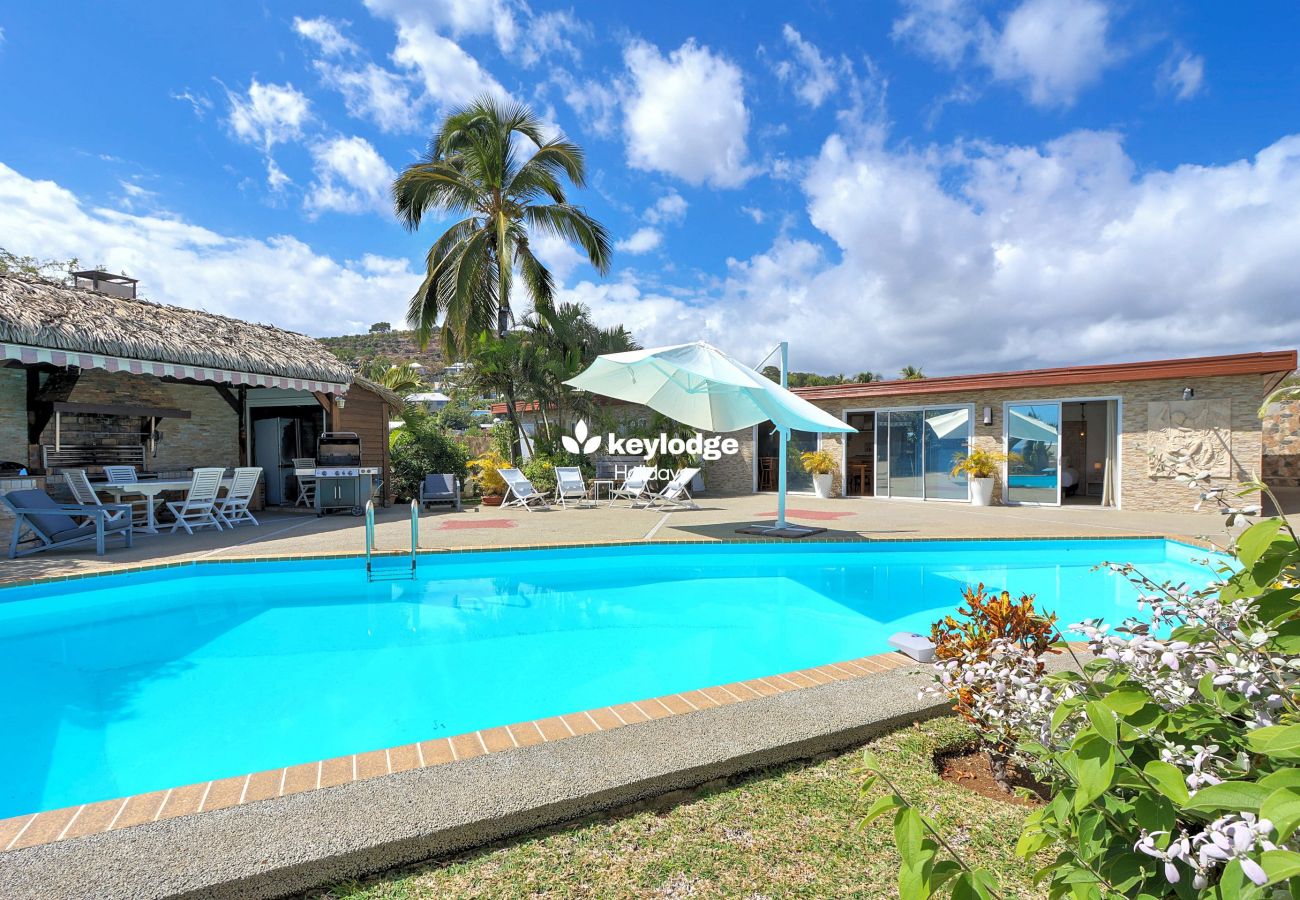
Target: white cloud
<point>458,18</point>
<point>967,258</point>
<point>686,115</point>
<point>643,240</point>
<point>754,213</point>
<point>198,102</point>
<point>276,179</point>
<point>374,93</point>
<point>268,114</point>
<point>1182,74</point>
<point>326,35</point>
<point>557,254</point>
<point>351,177</point>
<point>671,207</point>
<point>276,279</point>
<point>1052,49</point>
<point>451,76</point>
<point>1055,48</point>
<point>813,76</point>
<point>595,102</point>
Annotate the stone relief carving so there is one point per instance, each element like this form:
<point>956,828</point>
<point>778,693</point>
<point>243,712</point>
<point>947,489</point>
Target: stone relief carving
<point>1200,429</point>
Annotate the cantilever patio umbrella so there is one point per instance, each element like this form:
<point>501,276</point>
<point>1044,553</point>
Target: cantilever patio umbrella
<point>701,386</point>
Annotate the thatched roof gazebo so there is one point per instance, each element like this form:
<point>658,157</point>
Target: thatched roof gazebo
<point>46,322</point>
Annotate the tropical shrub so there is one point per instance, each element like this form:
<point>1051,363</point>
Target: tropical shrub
<point>502,435</point>
<point>996,641</point>
<point>1172,756</point>
<point>981,463</point>
<point>421,447</point>
<point>486,473</point>
<point>819,462</point>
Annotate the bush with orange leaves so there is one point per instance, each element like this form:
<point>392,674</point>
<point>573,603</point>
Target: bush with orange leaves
<point>989,662</point>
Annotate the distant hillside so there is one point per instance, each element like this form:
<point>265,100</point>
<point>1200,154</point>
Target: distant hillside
<point>358,350</point>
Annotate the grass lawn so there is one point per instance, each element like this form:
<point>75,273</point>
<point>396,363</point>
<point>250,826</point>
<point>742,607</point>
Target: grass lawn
<point>786,832</point>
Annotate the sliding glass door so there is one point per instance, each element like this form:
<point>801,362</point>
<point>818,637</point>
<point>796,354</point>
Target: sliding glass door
<point>915,450</point>
<point>1033,434</point>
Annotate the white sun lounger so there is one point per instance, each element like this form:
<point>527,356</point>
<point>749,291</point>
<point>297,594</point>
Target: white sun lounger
<point>677,492</point>
<point>569,486</point>
<point>636,487</point>
<point>520,491</point>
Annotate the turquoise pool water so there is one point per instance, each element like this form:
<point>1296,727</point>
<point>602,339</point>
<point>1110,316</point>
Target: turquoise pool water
<point>129,683</point>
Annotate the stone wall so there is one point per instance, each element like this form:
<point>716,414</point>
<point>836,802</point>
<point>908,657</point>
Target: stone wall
<point>1138,488</point>
<point>210,437</point>
<point>1281,438</point>
<point>13,415</point>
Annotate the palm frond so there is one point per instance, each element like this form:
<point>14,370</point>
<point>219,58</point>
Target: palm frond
<point>573,223</point>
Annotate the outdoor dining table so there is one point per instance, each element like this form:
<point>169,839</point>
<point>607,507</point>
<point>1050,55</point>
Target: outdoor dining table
<point>149,488</point>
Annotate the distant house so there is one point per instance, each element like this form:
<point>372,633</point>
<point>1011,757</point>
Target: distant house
<point>432,401</point>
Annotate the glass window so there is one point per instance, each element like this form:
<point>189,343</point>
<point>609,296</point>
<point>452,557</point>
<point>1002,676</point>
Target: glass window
<point>768,452</point>
<point>906,471</point>
<point>1034,442</point>
<point>947,434</point>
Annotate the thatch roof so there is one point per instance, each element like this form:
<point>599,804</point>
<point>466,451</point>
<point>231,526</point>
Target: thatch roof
<point>391,398</point>
<point>41,313</point>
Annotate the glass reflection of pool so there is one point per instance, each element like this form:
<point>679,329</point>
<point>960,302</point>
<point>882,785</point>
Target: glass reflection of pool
<point>128,683</point>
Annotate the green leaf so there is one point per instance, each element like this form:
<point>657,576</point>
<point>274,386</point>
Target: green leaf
<point>1126,700</point>
<point>1280,865</point>
<point>1236,796</point>
<point>1282,808</point>
<point>1281,778</point>
<point>1275,606</point>
<point>880,807</point>
<point>1168,780</point>
<point>1280,741</point>
<point>1288,638</point>
<point>1256,539</point>
<point>1103,720</point>
<point>1096,770</point>
<point>1031,842</point>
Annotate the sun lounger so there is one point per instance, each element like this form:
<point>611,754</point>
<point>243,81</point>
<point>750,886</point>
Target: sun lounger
<point>569,486</point>
<point>520,491</point>
<point>636,487</point>
<point>677,492</point>
<point>440,489</point>
<point>52,523</point>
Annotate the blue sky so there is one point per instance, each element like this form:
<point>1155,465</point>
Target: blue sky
<point>949,183</point>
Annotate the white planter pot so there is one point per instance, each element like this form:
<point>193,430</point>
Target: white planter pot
<point>981,491</point>
<point>822,485</point>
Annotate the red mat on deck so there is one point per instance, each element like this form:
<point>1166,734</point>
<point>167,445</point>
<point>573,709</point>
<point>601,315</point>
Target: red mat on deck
<point>459,524</point>
<point>808,514</point>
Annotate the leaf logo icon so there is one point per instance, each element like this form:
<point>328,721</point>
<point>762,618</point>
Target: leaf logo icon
<point>580,443</point>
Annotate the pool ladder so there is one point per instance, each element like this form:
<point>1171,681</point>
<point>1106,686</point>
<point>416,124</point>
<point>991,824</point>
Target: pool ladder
<point>394,574</point>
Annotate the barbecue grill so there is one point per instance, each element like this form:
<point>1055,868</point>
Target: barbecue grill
<point>341,481</point>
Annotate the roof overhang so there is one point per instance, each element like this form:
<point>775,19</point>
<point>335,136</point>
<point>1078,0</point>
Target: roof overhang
<point>31,356</point>
<point>1278,363</point>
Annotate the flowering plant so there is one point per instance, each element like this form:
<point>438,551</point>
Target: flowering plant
<point>1171,753</point>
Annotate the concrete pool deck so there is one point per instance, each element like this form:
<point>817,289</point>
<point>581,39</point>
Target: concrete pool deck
<point>286,533</point>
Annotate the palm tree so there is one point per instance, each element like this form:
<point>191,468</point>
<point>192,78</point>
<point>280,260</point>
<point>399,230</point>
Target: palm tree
<point>400,379</point>
<point>911,373</point>
<point>476,169</point>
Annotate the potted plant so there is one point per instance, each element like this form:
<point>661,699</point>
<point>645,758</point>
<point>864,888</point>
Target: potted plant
<point>822,465</point>
<point>487,476</point>
<point>980,466</point>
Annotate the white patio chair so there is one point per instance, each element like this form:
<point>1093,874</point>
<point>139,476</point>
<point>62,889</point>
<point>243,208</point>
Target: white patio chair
<point>306,483</point>
<point>199,508</point>
<point>139,507</point>
<point>569,486</point>
<point>84,493</point>
<point>233,508</point>
<point>677,492</point>
<point>520,491</point>
<point>636,487</point>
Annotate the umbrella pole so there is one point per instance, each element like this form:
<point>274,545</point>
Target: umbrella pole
<point>785,438</point>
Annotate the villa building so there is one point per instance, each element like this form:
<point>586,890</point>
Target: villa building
<point>1108,435</point>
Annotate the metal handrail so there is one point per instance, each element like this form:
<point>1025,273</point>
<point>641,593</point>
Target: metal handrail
<point>415,533</point>
<point>370,532</point>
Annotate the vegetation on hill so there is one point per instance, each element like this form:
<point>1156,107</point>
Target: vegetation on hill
<point>361,351</point>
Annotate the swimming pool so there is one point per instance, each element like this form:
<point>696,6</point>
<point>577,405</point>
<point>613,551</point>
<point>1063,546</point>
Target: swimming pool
<point>129,683</point>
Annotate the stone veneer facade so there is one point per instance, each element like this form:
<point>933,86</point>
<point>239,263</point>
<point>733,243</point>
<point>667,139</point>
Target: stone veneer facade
<point>1282,445</point>
<point>1137,489</point>
<point>209,438</point>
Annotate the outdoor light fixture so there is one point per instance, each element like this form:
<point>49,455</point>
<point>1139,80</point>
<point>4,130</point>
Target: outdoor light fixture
<point>341,402</point>
<point>988,415</point>
<point>1188,393</point>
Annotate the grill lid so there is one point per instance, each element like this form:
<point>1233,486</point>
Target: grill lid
<point>338,448</point>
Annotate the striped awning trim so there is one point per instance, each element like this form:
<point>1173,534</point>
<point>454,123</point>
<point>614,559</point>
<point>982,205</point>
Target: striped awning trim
<point>33,355</point>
